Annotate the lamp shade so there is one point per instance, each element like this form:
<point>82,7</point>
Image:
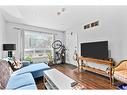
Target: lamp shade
<point>9,47</point>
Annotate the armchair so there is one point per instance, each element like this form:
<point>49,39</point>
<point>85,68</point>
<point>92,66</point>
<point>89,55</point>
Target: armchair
<point>120,71</point>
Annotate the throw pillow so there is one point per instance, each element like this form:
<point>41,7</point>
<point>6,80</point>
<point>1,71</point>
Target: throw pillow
<point>17,63</point>
<point>4,73</point>
<point>0,86</point>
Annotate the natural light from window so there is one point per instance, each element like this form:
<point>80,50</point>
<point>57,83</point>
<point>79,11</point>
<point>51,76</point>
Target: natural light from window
<point>37,44</point>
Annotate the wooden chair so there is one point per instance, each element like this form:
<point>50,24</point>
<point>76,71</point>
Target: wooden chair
<point>120,71</point>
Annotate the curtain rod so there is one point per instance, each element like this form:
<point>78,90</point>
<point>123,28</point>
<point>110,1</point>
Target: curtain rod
<point>33,30</point>
<point>35,26</point>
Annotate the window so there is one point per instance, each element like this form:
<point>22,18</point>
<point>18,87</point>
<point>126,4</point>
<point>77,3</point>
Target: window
<point>37,44</point>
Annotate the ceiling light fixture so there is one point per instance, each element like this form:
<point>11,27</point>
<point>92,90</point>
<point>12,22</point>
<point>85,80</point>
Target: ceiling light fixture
<point>58,13</point>
<point>61,11</point>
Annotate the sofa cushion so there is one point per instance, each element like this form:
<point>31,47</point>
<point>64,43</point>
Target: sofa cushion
<point>121,75</point>
<point>32,68</point>
<point>18,81</point>
<point>38,73</point>
<point>28,87</point>
<point>25,63</point>
<point>5,72</point>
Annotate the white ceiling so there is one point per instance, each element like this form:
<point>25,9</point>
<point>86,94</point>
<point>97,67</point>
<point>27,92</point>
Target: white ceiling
<point>46,16</point>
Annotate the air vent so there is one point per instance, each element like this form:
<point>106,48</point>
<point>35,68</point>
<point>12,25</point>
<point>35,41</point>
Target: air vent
<point>90,25</point>
<point>87,26</point>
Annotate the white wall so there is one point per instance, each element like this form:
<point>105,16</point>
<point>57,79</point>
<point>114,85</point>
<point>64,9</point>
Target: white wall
<point>112,23</point>
<point>2,30</point>
<point>124,37</point>
<point>12,35</point>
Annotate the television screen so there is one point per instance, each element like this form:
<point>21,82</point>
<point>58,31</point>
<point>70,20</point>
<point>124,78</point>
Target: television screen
<point>97,50</point>
<point>8,47</point>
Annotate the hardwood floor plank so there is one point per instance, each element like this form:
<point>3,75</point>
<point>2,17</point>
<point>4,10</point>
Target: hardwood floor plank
<point>88,79</point>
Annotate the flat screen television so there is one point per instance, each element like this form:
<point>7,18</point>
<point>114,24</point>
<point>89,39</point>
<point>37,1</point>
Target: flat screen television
<point>97,50</point>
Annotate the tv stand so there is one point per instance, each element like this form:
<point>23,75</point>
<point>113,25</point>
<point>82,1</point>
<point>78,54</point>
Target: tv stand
<point>82,66</point>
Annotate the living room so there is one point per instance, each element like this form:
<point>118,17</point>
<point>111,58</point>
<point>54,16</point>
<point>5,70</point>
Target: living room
<point>29,27</point>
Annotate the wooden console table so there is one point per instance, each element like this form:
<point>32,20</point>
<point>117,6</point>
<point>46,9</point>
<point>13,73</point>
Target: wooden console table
<point>109,63</point>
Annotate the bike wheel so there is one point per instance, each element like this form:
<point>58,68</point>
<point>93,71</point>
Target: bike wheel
<point>57,44</point>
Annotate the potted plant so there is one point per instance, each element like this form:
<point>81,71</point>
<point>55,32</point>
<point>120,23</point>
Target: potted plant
<point>50,58</point>
<point>29,58</point>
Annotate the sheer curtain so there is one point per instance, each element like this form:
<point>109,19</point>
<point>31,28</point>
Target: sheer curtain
<point>20,43</point>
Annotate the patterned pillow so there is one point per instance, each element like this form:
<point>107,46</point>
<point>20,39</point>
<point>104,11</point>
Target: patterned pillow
<point>4,73</point>
<point>0,86</point>
<point>15,64</point>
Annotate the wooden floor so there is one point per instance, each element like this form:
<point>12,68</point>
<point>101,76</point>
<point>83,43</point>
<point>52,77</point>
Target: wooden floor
<point>88,79</point>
